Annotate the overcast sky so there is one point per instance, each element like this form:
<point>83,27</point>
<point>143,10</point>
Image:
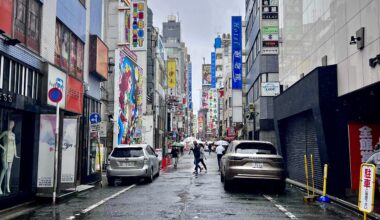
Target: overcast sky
<point>201,21</point>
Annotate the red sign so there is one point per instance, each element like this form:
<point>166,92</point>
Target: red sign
<point>362,139</point>
<point>74,95</point>
<point>6,8</point>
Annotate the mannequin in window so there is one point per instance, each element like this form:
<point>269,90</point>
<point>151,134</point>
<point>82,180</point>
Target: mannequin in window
<point>8,153</point>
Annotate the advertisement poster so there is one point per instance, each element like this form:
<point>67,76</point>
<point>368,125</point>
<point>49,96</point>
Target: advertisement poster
<point>128,99</point>
<point>46,151</point>
<point>206,74</point>
<point>237,66</point>
<point>205,98</point>
<point>172,73</point>
<point>362,139</point>
<point>57,79</point>
<point>69,148</point>
<point>138,25</point>
<point>74,95</point>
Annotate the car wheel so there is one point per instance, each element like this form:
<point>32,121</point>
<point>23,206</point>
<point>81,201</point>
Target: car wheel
<point>150,178</point>
<point>280,187</point>
<point>111,181</point>
<point>227,185</point>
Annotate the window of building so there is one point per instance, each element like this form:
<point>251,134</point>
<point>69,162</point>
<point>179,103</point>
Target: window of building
<point>27,23</point>
<point>69,51</point>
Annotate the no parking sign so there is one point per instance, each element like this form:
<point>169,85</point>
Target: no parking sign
<point>367,187</point>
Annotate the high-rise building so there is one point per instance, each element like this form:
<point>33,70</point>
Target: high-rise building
<point>261,43</point>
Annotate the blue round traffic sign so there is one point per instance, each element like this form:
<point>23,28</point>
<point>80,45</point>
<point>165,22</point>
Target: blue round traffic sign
<point>95,118</point>
<point>55,95</point>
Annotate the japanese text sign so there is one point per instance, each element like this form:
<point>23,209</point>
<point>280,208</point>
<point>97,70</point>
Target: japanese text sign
<point>367,187</point>
<point>172,73</point>
<point>213,74</point>
<point>237,66</point>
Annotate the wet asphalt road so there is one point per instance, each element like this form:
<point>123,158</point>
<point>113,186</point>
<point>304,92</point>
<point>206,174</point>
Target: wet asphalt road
<point>178,194</point>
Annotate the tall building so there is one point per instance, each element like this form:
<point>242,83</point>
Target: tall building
<point>329,68</point>
<point>261,67</point>
<point>177,88</point>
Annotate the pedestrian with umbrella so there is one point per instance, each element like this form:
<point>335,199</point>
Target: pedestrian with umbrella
<point>197,156</point>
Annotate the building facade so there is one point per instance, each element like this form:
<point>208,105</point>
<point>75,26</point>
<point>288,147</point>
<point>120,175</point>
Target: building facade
<point>329,54</point>
<point>261,45</point>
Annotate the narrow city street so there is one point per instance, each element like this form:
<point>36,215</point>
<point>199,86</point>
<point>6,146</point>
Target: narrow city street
<point>178,194</point>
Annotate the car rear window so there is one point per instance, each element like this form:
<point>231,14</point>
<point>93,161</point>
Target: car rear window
<point>255,148</point>
<point>127,152</point>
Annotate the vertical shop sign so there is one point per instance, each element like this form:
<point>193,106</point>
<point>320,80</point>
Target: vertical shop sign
<point>190,71</point>
<point>213,73</point>
<point>362,139</point>
<point>46,151</point>
<point>138,23</point>
<point>236,53</point>
<point>172,73</point>
<point>69,146</point>
<point>74,95</point>
<point>269,27</point>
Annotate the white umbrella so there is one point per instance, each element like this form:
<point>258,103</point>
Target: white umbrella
<point>189,139</point>
<point>221,142</point>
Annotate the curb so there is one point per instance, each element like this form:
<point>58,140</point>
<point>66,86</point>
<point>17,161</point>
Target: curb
<point>338,201</point>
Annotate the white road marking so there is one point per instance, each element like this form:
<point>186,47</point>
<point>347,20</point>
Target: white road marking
<point>280,207</point>
<point>84,211</point>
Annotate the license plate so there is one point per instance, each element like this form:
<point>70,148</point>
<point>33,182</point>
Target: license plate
<point>127,164</point>
<point>257,165</point>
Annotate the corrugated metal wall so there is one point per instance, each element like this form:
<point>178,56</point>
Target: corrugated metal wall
<point>300,139</point>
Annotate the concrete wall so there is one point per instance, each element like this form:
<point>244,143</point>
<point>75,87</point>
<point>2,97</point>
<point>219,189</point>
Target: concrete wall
<point>48,30</point>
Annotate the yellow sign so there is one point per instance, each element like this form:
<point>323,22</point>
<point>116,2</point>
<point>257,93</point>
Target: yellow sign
<point>172,73</point>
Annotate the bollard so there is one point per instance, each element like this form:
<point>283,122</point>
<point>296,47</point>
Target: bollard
<point>312,173</point>
<point>306,175</point>
<point>324,198</point>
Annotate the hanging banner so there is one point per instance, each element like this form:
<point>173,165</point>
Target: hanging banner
<point>69,148</point>
<point>237,65</point>
<point>190,95</point>
<point>213,69</point>
<point>362,139</point>
<point>172,73</point>
<point>46,145</point>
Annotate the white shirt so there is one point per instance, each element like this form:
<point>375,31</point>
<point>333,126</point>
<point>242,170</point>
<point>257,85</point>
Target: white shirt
<point>219,149</point>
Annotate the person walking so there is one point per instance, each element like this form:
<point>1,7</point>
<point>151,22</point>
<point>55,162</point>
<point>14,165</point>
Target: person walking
<point>174,154</point>
<point>202,158</point>
<point>375,160</point>
<point>209,149</point>
<point>219,153</point>
<point>197,156</point>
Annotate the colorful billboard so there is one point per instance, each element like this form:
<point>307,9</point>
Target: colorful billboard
<point>205,97</point>
<point>128,99</point>
<point>237,70</point>
<point>172,73</point>
<point>213,71</point>
<point>138,23</point>
<point>362,139</point>
<point>206,74</point>
<point>269,27</point>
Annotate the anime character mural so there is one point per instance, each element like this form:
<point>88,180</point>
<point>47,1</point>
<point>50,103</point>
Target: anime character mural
<point>130,100</point>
